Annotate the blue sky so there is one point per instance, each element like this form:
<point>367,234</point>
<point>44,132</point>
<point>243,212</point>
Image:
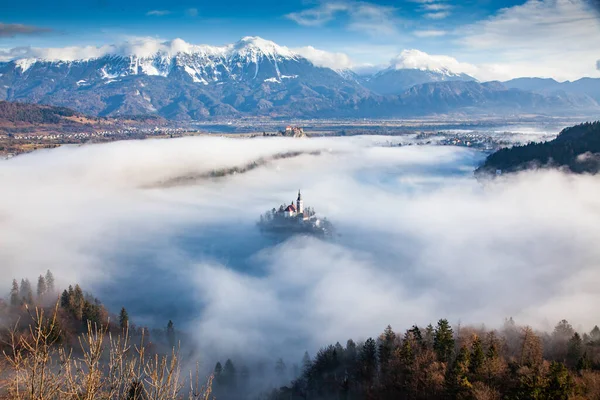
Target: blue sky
<point>489,34</point>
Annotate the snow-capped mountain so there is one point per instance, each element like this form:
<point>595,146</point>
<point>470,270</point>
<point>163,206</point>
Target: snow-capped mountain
<point>413,67</point>
<point>181,81</point>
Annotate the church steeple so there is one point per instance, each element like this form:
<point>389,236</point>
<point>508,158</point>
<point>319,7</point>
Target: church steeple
<point>299,203</point>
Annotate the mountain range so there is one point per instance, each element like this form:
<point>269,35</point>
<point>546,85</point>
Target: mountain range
<point>256,77</point>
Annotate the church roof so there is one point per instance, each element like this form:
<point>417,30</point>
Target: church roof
<point>291,207</point>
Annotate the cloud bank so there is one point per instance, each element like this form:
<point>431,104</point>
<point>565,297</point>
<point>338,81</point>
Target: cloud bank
<point>370,18</point>
<point>12,30</point>
<point>537,38</point>
<point>415,59</point>
<point>418,238</point>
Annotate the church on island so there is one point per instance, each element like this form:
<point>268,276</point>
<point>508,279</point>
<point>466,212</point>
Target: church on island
<point>294,218</point>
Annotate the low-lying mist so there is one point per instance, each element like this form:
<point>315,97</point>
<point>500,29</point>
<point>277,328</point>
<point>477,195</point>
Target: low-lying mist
<point>417,238</point>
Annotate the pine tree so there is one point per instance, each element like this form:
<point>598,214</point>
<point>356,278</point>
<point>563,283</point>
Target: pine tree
<point>41,287</point>
<point>574,350</point>
<point>418,337</point>
<point>306,362</point>
<point>229,376</point>
<point>457,381</point>
<point>123,319</point>
<point>77,302</point>
<point>560,383</point>
<point>368,361</point>
<point>492,351</point>
<point>64,299</point>
<point>443,341</point>
<point>50,282</point>
<point>171,334</point>
<point>280,369</point>
<point>584,363</point>
<point>15,299</point>
<point>218,369</point>
<point>26,293</point>
<point>387,342</point>
<point>477,356</point>
<point>595,334</point>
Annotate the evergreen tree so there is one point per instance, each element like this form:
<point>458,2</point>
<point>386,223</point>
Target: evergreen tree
<point>595,334</point>
<point>171,334</point>
<point>492,351</point>
<point>306,362</point>
<point>41,287</point>
<point>280,369</point>
<point>64,299</point>
<point>25,292</point>
<point>387,342</point>
<point>50,282</point>
<point>457,381</point>
<point>574,350</point>
<point>229,376</point>
<point>15,299</point>
<point>584,363</point>
<point>443,341</point>
<point>563,330</point>
<point>477,356</point>
<point>123,319</point>
<point>429,336</point>
<point>218,372</point>
<point>418,337</point>
<point>77,302</point>
<point>368,361</point>
<point>560,382</point>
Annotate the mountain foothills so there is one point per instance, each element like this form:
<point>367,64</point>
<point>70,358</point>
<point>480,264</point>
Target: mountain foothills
<point>256,77</point>
<point>576,149</point>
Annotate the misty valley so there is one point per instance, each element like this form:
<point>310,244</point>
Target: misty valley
<point>160,237</point>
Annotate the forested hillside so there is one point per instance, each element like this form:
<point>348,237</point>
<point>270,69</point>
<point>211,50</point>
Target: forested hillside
<point>33,113</point>
<point>463,363</point>
<point>107,357</point>
<point>576,148</point>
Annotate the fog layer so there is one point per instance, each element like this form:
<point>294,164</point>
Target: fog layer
<point>417,238</point>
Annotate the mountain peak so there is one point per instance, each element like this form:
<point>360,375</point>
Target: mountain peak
<point>416,59</point>
<point>254,46</point>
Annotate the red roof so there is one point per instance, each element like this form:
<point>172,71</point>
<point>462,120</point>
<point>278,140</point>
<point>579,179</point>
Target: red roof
<point>291,207</point>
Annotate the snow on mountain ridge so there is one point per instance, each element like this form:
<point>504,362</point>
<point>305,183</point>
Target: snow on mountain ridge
<point>251,47</point>
<point>445,65</point>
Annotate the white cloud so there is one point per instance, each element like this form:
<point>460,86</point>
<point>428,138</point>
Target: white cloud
<point>363,16</point>
<point>430,33</point>
<point>553,38</point>
<point>158,13</point>
<point>324,58</point>
<point>437,15</point>
<point>415,59</point>
<point>191,12</point>
<point>138,46</point>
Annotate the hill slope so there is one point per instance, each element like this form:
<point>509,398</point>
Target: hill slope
<point>576,148</point>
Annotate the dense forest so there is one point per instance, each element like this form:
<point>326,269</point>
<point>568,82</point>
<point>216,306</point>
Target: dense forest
<point>439,362</point>
<point>66,345</point>
<point>33,113</point>
<point>576,148</point>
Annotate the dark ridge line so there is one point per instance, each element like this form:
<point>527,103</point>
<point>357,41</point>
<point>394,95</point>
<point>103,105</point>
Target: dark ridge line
<point>225,172</point>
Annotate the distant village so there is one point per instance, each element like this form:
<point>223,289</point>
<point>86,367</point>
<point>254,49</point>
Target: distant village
<point>289,131</point>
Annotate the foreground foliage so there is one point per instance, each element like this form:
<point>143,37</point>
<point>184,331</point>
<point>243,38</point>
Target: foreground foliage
<point>438,363</point>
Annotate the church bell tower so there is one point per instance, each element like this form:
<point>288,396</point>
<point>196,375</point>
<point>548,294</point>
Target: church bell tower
<point>299,203</point>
